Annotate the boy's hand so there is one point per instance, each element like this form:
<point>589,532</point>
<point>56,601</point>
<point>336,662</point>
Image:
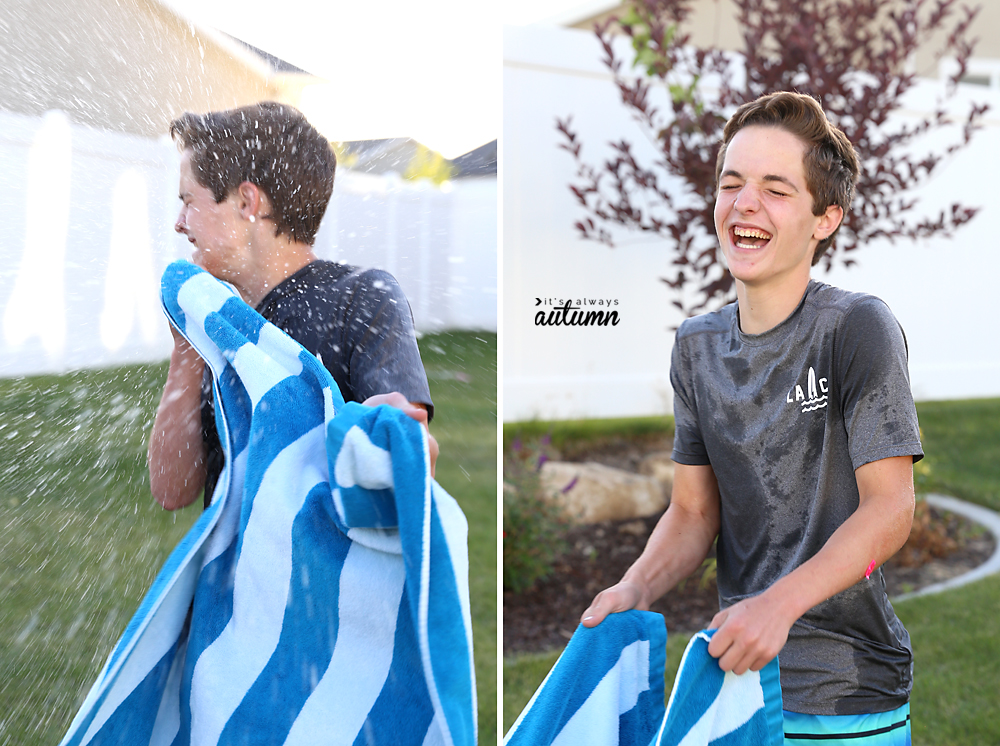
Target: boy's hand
<point>749,634</point>
<point>415,411</point>
<point>623,596</point>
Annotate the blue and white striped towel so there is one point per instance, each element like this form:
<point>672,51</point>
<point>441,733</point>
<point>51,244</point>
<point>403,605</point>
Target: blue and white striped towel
<point>710,707</point>
<point>606,689</point>
<point>322,597</point>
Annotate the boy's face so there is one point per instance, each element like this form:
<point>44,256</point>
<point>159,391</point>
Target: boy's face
<point>213,227</point>
<point>763,209</point>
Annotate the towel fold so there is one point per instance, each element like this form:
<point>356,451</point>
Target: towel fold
<point>606,689</point>
<point>710,707</point>
<point>322,597</point>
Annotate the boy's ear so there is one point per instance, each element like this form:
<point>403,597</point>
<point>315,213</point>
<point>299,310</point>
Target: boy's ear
<point>249,199</point>
<point>829,221</point>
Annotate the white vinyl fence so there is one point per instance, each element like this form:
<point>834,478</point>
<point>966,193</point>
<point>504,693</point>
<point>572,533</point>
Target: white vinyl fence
<point>943,290</point>
<point>89,218</point>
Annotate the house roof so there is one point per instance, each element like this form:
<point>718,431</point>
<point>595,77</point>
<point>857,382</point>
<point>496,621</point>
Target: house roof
<point>395,154</point>
<point>379,156</point>
<point>479,162</point>
<point>276,64</point>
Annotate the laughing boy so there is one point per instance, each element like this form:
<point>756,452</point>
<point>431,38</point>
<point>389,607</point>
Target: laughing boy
<point>795,439</point>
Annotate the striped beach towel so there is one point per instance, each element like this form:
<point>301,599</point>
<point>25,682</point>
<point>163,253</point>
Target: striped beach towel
<point>606,689</point>
<point>322,597</point>
<point>710,707</point>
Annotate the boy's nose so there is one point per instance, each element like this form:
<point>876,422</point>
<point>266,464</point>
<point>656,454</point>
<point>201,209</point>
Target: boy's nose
<point>748,200</point>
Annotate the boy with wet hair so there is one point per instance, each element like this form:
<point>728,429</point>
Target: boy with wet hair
<point>831,164</point>
<point>795,436</point>
<point>255,183</point>
<point>271,145</point>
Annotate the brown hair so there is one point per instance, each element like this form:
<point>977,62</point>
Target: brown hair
<point>831,164</point>
<point>272,146</point>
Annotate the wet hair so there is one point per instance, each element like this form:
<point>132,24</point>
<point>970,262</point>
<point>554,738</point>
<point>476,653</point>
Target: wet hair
<point>272,146</point>
<point>831,164</point>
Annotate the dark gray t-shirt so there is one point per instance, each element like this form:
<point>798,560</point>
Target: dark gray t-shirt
<point>356,321</point>
<point>784,418</point>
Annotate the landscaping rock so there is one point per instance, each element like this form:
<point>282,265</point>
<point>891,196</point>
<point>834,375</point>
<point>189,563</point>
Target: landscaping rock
<point>660,466</point>
<point>634,528</point>
<point>601,493</point>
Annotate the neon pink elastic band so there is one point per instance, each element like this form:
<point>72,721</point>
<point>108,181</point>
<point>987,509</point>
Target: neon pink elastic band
<point>871,568</point>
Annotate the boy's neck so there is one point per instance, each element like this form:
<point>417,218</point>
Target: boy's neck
<point>280,260</point>
<point>764,307</point>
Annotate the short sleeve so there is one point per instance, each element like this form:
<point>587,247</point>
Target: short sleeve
<point>384,355</point>
<point>689,445</point>
<point>871,359</point>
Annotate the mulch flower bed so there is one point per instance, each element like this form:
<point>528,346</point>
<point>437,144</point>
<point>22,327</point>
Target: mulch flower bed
<point>543,618</point>
<point>599,554</point>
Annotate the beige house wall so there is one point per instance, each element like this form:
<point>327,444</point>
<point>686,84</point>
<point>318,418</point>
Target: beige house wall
<point>714,23</point>
<point>124,65</point>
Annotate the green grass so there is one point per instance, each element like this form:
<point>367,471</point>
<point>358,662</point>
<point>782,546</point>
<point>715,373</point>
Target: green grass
<point>955,635</point>
<point>521,676</point>
<point>462,372</point>
<point>81,539</point>
<point>956,647</point>
<point>960,439</point>
<point>562,432</point>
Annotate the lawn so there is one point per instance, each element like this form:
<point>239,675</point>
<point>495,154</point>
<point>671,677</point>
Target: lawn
<point>955,636</point>
<point>81,539</point>
<point>960,439</point>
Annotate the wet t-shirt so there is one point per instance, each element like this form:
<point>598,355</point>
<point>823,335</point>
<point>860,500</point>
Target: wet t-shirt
<point>356,321</point>
<point>784,418</point>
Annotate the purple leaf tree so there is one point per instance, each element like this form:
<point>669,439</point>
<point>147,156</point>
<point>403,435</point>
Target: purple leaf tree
<point>852,55</point>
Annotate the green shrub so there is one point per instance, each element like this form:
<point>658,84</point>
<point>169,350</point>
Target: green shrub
<point>533,527</point>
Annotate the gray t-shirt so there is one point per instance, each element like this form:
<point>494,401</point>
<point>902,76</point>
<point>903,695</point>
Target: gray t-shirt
<point>356,321</point>
<point>784,418</point>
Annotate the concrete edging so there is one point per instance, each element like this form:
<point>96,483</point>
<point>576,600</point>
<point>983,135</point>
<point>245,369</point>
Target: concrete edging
<point>986,518</point>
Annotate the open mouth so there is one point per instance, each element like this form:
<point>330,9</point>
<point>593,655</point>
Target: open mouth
<point>750,238</point>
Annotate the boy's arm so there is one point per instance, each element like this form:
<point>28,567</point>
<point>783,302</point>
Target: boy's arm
<point>679,543</point>
<point>752,632</point>
<point>176,444</point>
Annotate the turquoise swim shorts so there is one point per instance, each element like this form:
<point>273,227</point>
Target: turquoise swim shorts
<point>878,729</point>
